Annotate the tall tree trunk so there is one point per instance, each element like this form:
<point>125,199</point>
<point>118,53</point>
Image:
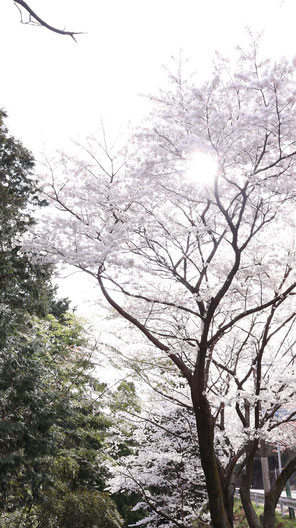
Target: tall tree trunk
<point>247,478</point>
<point>229,476</point>
<point>228,494</point>
<point>269,510</point>
<point>228,488</point>
<point>273,495</point>
<point>251,515</point>
<point>205,429</point>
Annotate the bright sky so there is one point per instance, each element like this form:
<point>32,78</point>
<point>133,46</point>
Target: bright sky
<point>54,89</point>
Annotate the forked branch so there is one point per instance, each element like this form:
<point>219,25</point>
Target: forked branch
<point>43,23</point>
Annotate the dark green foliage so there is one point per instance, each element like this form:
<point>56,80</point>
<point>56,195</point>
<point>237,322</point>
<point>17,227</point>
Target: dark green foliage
<point>25,281</point>
<point>125,503</point>
<point>47,413</point>
<point>53,431</point>
<point>125,398</point>
<point>80,509</point>
<point>52,426</point>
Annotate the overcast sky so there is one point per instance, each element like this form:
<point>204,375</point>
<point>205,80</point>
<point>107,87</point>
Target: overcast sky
<point>54,89</point>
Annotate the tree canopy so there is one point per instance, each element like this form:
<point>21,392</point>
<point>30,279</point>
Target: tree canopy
<point>202,267</point>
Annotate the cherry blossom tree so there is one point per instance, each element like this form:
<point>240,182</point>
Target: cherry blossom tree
<point>169,479</point>
<point>200,262</point>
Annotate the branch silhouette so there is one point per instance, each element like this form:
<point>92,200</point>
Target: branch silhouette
<point>42,22</point>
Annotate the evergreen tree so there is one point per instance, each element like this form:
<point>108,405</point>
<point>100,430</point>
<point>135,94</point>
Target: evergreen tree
<point>52,426</point>
<point>25,285</point>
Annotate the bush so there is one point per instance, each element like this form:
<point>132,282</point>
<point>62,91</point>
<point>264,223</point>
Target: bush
<point>81,509</point>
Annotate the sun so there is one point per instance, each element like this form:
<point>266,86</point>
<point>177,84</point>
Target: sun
<point>201,168</point>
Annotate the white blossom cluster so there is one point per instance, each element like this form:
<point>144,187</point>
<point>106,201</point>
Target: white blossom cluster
<point>164,467</point>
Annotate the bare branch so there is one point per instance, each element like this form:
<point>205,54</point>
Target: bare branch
<point>44,23</point>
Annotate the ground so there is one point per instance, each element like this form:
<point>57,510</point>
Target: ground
<point>240,520</point>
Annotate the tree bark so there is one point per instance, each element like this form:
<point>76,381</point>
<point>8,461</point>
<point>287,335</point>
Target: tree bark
<point>227,478</point>
<point>273,495</point>
<point>228,494</point>
<point>247,478</point>
<point>205,430</point>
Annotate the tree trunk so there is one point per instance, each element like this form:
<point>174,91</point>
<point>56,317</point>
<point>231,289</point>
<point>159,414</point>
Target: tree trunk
<point>269,510</point>
<point>247,478</point>
<point>273,495</point>
<point>205,429</point>
<point>251,515</point>
<point>228,493</point>
<point>228,487</point>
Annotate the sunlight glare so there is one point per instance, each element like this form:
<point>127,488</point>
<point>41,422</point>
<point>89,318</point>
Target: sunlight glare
<point>201,168</point>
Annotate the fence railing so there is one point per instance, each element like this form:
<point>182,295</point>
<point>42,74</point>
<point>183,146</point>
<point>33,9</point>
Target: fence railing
<point>258,498</point>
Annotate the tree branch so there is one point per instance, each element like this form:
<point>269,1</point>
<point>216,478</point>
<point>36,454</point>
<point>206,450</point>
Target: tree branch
<point>45,24</point>
<point>251,311</point>
<point>177,360</point>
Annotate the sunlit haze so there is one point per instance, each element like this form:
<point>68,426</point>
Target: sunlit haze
<point>54,89</point>
<point>201,168</point>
